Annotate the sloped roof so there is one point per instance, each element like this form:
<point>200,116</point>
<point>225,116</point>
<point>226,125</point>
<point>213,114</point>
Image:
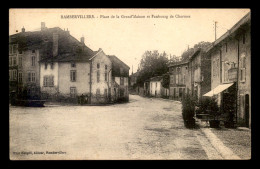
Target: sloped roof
<point>242,21</point>
<point>116,61</point>
<point>182,62</point>
<point>69,48</point>
<point>157,78</point>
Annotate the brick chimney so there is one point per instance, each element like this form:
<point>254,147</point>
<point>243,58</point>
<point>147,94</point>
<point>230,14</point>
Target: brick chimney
<point>55,44</point>
<point>82,39</point>
<point>43,26</point>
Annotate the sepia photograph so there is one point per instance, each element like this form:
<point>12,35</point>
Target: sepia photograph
<point>129,84</point>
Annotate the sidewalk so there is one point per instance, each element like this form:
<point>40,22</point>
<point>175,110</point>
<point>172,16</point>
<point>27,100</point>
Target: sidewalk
<point>232,143</point>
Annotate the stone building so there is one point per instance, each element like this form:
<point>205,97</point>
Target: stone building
<point>25,51</point>
<point>54,65</point>
<point>199,71</point>
<point>231,71</point>
<point>156,88</point>
<point>179,79</point>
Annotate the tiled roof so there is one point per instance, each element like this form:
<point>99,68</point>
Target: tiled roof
<point>69,48</point>
<point>115,60</point>
<point>116,65</point>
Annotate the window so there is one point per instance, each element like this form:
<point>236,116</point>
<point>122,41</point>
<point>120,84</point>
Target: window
<point>14,74</point>
<point>73,64</point>
<point>33,77</point>
<point>14,61</point>
<point>20,77</point>
<point>46,65</point>
<point>105,76</point>
<point>20,61</point>
<point>177,79</point>
<point>172,79</point>
<point>29,77</point>
<point>242,67</point>
<point>20,52</point>
<point>121,80</point>
<point>48,81</point>
<point>180,92</point>
<point>98,92</point>
<point>106,67</point>
<point>33,60</point>
<point>225,68</point>
<point>13,49</point>
<point>33,51</point>
<point>73,91</point>
<point>73,75</point>
<point>105,92</point>
<point>52,65</point>
<point>226,47</point>
<point>98,76</point>
<point>98,65</point>
<point>10,61</point>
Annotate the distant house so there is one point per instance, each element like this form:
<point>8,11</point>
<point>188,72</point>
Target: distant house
<point>156,88</point>
<point>200,73</point>
<point>231,71</point>
<point>120,78</point>
<point>179,79</point>
<point>134,89</point>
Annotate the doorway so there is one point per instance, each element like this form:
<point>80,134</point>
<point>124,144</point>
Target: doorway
<point>247,109</point>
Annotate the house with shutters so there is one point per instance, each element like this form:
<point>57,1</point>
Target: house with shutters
<point>72,70</point>
<point>54,65</point>
<point>231,71</point>
<point>179,79</point>
<point>25,51</point>
<point>156,88</point>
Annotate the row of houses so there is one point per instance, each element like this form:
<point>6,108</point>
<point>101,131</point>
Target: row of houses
<point>53,65</point>
<point>221,70</point>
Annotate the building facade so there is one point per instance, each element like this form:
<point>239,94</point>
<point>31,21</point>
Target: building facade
<point>200,73</point>
<point>231,71</point>
<point>179,79</point>
<point>23,64</point>
<point>53,65</point>
<point>120,79</point>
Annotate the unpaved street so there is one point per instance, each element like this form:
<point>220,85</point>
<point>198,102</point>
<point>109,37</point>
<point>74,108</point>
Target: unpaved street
<point>144,128</point>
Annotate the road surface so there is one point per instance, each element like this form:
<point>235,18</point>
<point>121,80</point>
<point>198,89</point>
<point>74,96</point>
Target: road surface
<point>144,128</point>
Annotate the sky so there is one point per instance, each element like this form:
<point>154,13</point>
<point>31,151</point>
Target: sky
<point>128,36</point>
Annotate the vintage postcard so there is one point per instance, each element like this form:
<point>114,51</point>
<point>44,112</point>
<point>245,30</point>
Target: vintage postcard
<point>129,84</point>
